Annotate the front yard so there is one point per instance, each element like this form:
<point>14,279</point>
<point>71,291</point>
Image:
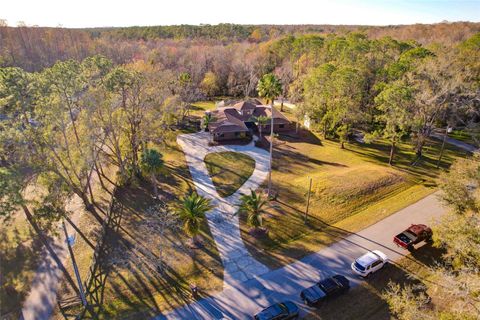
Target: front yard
<point>229,170</point>
<point>351,190</point>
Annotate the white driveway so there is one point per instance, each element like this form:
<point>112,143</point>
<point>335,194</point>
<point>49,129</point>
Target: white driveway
<point>239,265</point>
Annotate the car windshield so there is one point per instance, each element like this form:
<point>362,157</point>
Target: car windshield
<point>359,266</point>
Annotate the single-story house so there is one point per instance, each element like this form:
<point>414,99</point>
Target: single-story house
<point>237,120</point>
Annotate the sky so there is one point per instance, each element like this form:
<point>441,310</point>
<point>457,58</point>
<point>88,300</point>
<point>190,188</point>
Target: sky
<point>116,13</point>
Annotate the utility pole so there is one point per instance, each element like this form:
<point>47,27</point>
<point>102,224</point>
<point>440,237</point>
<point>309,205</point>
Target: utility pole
<point>308,200</point>
<point>271,152</point>
<point>75,267</point>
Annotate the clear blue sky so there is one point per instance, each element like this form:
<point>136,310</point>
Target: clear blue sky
<point>98,13</point>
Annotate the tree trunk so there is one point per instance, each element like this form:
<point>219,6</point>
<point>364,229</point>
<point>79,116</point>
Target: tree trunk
<point>100,179</point>
<point>392,152</point>
<point>443,147</point>
<point>342,145</point>
<point>281,105</point>
<point>89,206</point>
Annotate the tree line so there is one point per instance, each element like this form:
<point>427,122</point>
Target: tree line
<point>35,48</point>
<point>452,283</point>
<point>385,88</point>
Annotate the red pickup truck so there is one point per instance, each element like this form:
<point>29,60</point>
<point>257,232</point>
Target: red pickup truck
<point>413,235</point>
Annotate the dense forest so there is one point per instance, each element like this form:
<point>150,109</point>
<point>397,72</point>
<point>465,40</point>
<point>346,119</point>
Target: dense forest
<point>34,48</point>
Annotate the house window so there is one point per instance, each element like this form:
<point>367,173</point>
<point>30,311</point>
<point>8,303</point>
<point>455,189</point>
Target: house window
<point>222,135</point>
<point>281,126</point>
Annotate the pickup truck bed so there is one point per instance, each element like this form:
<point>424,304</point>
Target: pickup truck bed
<point>413,235</point>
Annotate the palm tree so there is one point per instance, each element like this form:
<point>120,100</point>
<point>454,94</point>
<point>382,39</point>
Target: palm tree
<point>261,121</point>
<point>192,212</point>
<point>207,120</point>
<point>253,205</point>
<point>151,163</point>
<point>270,87</point>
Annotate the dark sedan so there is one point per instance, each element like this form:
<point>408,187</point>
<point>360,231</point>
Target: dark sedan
<point>324,289</point>
<point>279,311</point>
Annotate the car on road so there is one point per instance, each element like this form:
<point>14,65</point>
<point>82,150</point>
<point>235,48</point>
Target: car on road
<point>416,233</point>
<point>325,289</point>
<point>279,311</point>
<point>369,263</point>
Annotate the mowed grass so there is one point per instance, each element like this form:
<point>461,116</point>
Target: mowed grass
<point>134,290</point>
<point>198,108</point>
<point>229,170</point>
<point>351,189</point>
<point>366,300</point>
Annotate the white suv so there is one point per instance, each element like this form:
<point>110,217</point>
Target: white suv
<point>369,263</point>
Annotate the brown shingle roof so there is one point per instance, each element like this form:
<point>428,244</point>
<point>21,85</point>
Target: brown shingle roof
<point>233,118</point>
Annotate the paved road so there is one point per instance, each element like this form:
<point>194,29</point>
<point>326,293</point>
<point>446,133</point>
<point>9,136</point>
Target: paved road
<point>455,142</point>
<point>245,299</point>
<point>239,266</point>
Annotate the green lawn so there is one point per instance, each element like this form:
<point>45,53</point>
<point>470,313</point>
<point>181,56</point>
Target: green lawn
<point>464,136</point>
<point>229,170</point>
<point>351,189</point>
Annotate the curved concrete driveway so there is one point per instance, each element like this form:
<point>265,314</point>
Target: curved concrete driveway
<point>239,265</point>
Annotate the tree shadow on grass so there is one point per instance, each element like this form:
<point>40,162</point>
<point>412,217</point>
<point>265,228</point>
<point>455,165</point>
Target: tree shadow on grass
<point>142,290</point>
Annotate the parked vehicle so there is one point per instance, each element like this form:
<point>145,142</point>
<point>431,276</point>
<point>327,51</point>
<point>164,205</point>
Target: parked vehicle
<point>414,234</point>
<point>325,289</point>
<point>369,263</point>
<point>279,311</point>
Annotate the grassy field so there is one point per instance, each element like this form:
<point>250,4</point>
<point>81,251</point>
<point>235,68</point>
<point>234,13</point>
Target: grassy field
<point>229,170</point>
<point>366,301</point>
<point>351,189</point>
<point>133,287</point>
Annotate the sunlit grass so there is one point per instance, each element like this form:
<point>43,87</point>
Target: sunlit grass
<point>229,170</point>
<point>351,189</point>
